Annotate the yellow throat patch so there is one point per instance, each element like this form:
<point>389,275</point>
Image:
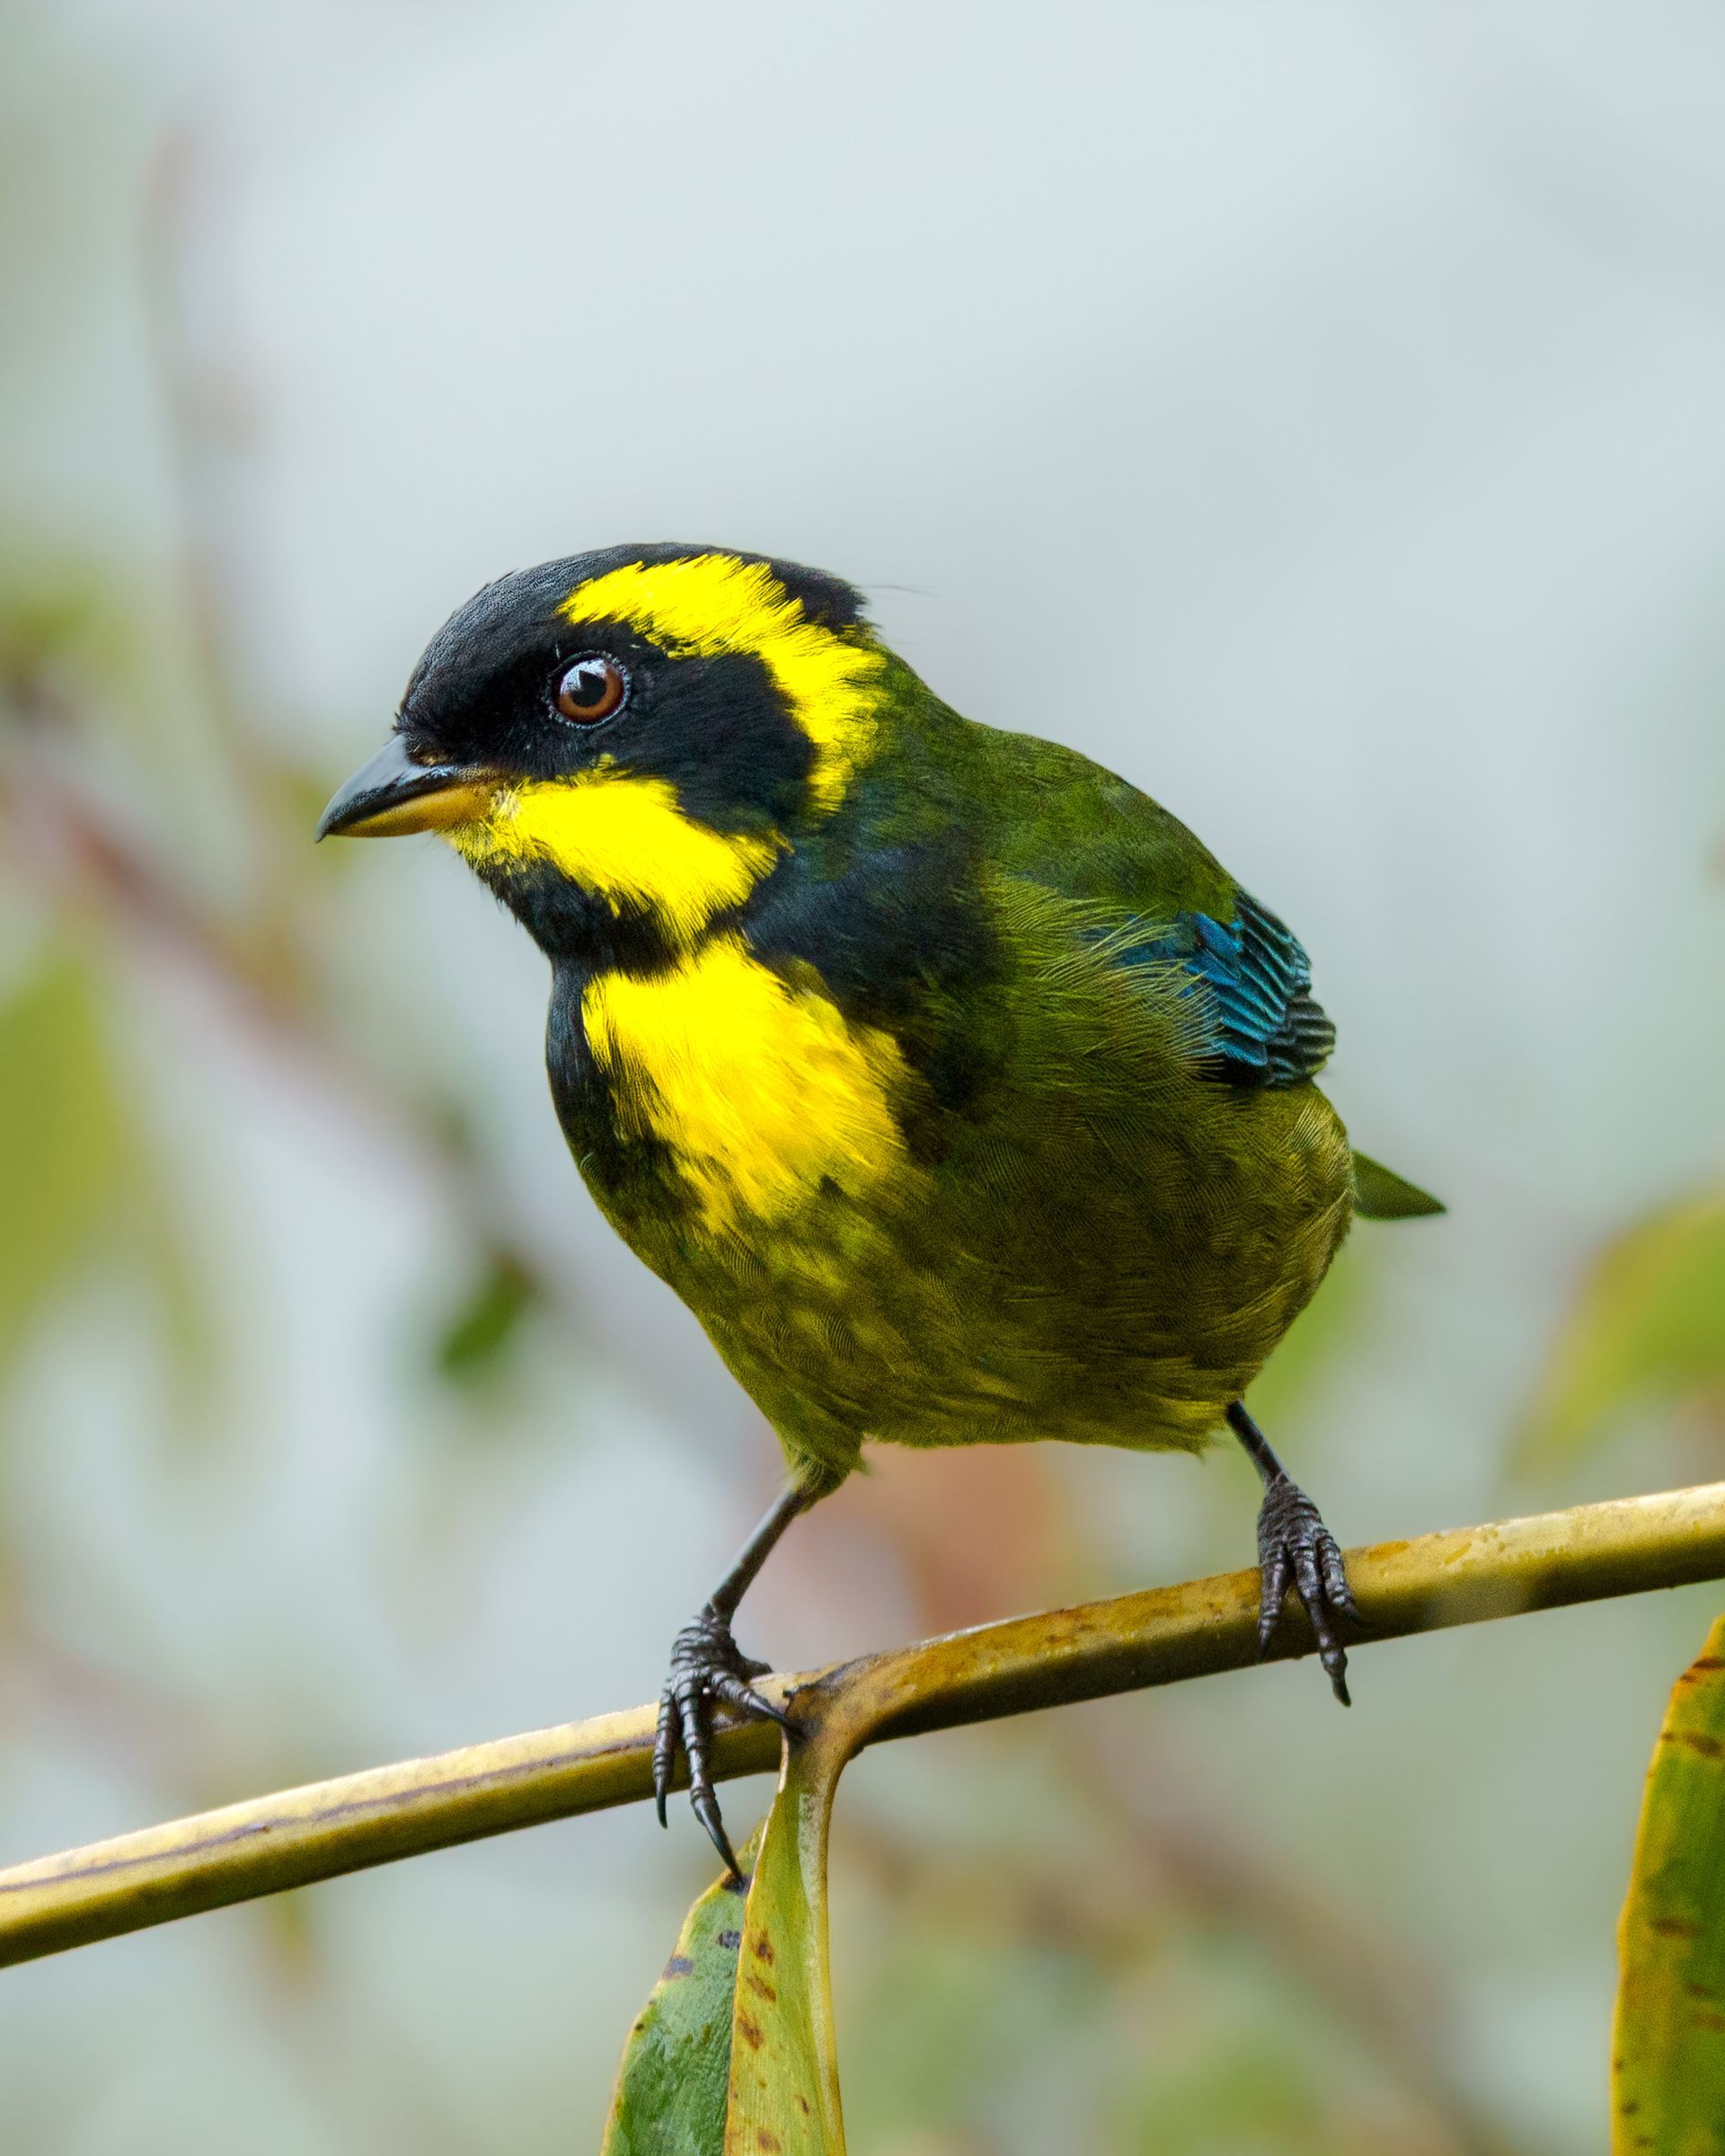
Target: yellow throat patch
<point>705,604</point>
<point>625,838</point>
<point>761,1090</point>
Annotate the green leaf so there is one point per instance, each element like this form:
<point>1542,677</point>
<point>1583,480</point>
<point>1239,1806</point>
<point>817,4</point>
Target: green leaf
<point>784,2061</point>
<point>1668,2047</point>
<point>478,1337</point>
<point>65,1153</point>
<point>784,2095</point>
<point>670,2094</point>
<point>734,2055</point>
<point>1649,1327</point>
<point>53,614</point>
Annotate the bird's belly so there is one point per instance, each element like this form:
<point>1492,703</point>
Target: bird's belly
<point>985,1348</point>
<point>926,1313</point>
<point>1046,1273</point>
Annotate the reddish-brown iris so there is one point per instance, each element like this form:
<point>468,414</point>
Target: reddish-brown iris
<point>590,688</point>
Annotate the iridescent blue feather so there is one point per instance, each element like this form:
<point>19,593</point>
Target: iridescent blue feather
<point>1263,1026</point>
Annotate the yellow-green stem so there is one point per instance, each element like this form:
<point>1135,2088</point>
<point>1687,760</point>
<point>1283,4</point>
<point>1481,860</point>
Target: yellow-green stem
<point>1200,1628</point>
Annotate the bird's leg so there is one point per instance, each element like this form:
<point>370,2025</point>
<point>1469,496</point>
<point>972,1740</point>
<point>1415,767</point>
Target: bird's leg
<point>709,1669</point>
<point>1295,1547</point>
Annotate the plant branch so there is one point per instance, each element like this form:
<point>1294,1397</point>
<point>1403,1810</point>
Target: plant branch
<point>1159,1637</point>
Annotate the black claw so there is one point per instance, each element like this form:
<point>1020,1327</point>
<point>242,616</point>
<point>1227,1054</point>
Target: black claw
<point>707,1670</point>
<point>706,1810</point>
<point>1337,1590</point>
<point>1295,1548</point>
<point>1274,1571</point>
<point>664,1752</point>
<point>745,1699</point>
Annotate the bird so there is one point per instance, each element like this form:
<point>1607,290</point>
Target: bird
<point>949,1080</point>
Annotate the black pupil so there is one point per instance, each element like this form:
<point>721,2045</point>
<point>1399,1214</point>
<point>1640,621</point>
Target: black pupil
<point>588,684</point>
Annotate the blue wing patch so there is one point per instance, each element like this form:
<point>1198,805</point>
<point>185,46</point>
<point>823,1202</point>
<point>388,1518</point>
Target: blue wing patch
<point>1263,1027</point>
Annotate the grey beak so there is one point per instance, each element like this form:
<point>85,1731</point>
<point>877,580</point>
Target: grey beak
<point>394,794</point>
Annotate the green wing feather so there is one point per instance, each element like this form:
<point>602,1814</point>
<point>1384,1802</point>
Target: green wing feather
<point>1164,907</point>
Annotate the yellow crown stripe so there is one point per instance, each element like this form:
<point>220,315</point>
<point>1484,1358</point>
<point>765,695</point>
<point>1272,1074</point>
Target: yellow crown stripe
<point>763,1093</point>
<point>626,839</point>
<point>710,604</point>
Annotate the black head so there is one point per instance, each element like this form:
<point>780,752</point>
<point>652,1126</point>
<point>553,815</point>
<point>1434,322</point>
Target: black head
<point>649,724</point>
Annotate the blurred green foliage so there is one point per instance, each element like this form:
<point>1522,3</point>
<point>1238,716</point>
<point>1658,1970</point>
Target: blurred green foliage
<point>479,1336</point>
<point>1646,1330</point>
<point>66,1153</point>
<point>1668,2044</point>
<point>80,1179</point>
<point>1182,2038</point>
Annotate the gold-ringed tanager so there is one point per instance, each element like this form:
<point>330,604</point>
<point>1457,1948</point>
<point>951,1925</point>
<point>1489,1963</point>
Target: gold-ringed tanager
<point>960,1092</point>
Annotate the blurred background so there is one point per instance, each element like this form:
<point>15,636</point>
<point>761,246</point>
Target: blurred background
<point>1335,393</point>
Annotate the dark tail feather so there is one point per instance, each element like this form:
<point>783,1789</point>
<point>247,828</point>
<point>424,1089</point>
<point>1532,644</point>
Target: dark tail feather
<point>1380,1195</point>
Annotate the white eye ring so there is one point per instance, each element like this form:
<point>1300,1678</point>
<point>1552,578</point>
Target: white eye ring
<point>592,687</point>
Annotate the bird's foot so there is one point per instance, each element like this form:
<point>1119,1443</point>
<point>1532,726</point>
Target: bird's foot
<point>1295,1548</point>
<point>707,1670</point>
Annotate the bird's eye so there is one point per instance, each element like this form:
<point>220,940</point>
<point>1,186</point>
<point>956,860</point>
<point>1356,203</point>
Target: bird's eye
<point>590,688</point>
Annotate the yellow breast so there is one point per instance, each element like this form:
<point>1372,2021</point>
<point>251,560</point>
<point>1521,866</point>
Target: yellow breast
<point>762,1089</point>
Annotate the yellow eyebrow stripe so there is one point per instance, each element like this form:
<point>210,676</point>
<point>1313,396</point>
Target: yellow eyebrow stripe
<point>708,604</point>
<point>762,1091</point>
<point>626,839</point>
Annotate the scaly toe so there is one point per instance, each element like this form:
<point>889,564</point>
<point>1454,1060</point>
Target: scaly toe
<point>707,1671</point>
<point>1295,1548</point>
